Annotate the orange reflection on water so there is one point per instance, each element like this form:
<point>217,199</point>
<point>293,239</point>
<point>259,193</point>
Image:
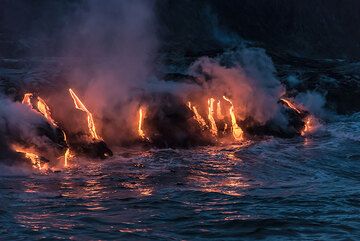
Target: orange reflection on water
<point>33,214</point>
<point>218,174</point>
<point>215,181</point>
<point>308,141</point>
<point>31,187</point>
<point>41,221</point>
<point>139,188</point>
<point>92,191</point>
<point>230,186</point>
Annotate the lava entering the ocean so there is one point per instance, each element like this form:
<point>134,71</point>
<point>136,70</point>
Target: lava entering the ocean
<point>35,160</point>
<point>45,110</point>
<point>311,123</point>
<point>140,123</point>
<point>217,125</point>
<point>80,106</point>
<point>236,130</point>
<point>213,127</point>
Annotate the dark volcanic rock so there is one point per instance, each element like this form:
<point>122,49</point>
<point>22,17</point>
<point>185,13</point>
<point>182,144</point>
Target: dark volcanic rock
<point>96,149</point>
<point>170,123</point>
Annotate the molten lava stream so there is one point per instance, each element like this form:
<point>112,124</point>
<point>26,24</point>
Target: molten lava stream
<point>35,159</point>
<point>311,124</point>
<point>140,124</point>
<point>42,107</point>
<point>45,110</point>
<point>236,130</point>
<point>291,105</point>
<point>197,116</point>
<point>310,121</point>
<point>27,99</point>
<point>213,127</point>
<point>67,157</point>
<point>219,114</point>
<point>80,106</point>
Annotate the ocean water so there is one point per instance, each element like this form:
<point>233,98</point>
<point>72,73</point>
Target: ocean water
<point>272,189</point>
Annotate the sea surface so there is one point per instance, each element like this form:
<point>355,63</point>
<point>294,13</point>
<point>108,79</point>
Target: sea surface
<point>271,189</point>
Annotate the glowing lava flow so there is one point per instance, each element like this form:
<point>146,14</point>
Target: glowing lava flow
<point>45,110</point>
<point>27,99</point>
<point>80,106</point>
<point>213,127</point>
<point>219,114</point>
<point>42,107</point>
<point>67,157</point>
<point>236,130</point>
<point>311,124</point>
<point>35,159</point>
<point>189,105</point>
<point>67,154</point>
<point>197,116</point>
<point>140,124</point>
<point>291,105</point>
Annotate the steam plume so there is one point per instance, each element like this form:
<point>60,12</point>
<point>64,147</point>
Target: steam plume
<point>247,76</point>
<point>110,48</point>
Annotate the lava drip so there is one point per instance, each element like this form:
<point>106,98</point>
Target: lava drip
<point>310,122</point>
<point>40,156</point>
<point>95,146</point>
<point>213,127</point>
<point>237,132</point>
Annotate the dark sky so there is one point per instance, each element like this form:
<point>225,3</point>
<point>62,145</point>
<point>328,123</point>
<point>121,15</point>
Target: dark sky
<point>315,28</point>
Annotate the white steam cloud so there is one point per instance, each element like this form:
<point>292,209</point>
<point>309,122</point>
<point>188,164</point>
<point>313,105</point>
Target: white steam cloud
<point>313,102</point>
<point>19,124</point>
<point>110,47</point>
<point>246,76</point>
